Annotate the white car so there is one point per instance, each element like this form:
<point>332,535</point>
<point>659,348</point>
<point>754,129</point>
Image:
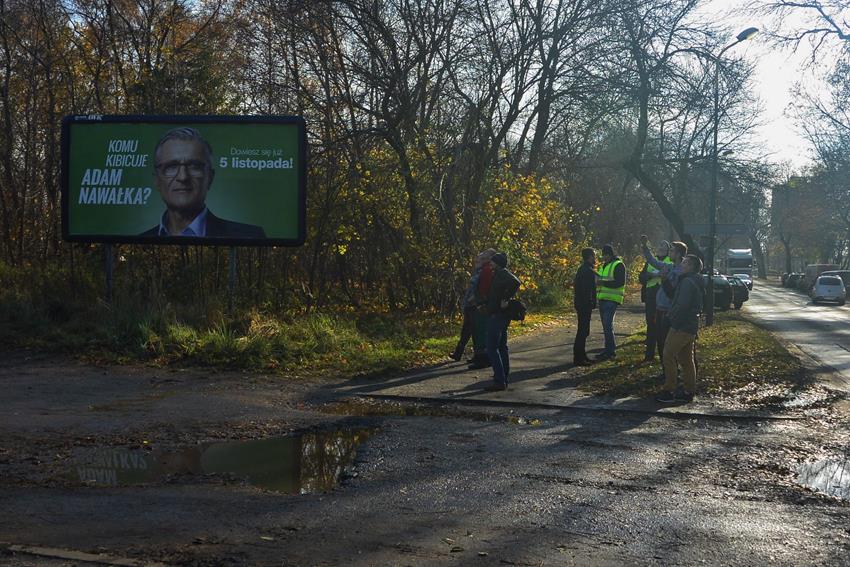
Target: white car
<point>828,288</point>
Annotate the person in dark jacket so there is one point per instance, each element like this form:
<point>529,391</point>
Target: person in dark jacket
<point>610,292</point>
<point>183,175</point>
<point>479,334</point>
<point>670,269</point>
<point>503,288</point>
<point>684,324</point>
<point>584,301</point>
<point>470,307</point>
<point>650,278</point>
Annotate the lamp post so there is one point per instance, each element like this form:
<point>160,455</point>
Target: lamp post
<point>712,197</point>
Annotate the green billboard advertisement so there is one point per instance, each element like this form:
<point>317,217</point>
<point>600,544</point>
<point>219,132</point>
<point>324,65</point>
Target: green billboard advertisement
<point>184,179</point>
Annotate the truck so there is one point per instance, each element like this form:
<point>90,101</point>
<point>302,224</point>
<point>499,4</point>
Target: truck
<point>739,261</point>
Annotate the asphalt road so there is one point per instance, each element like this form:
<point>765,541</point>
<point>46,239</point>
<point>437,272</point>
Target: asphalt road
<point>458,483</point>
<point>820,331</point>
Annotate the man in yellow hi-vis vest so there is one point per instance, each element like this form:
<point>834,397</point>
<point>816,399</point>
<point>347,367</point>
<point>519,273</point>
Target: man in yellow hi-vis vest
<point>650,277</point>
<point>610,291</point>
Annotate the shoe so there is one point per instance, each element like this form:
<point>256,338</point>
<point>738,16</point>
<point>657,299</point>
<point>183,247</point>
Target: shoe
<point>684,396</point>
<point>584,362</point>
<point>455,356</point>
<point>606,356</point>
<point>666,398</point>
<point>648,359</point>
<point>496,387</point>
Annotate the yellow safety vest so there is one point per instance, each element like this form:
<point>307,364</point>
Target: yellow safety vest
<point>610,293</point>
<point>655,279</point>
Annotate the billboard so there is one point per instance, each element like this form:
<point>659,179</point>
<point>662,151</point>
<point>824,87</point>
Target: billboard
<point>220,180</point>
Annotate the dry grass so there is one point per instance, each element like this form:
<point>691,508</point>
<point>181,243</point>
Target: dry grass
<point>736,358</point>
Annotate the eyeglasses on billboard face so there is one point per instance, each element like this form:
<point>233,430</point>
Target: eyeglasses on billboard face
<point>193,168</point>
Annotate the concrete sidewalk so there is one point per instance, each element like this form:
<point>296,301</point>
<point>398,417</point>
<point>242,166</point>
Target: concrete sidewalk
<point>542,374</point>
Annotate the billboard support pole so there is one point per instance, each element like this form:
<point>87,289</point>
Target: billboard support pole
<point>107,251</point>
<point>231,283</point>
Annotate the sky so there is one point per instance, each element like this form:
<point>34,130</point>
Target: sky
<point>777,71</point>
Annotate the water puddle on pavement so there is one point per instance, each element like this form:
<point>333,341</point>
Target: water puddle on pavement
<point>829,476</point>
<point>305,463</point>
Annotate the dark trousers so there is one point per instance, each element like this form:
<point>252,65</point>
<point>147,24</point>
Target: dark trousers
<point>466,330</point>
<point>497,347</point>
<point>582,332</point>
<point>662,327</point>
<point>651,324</point>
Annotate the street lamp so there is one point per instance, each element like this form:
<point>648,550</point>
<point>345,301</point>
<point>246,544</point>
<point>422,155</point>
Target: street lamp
<point>712,200</point>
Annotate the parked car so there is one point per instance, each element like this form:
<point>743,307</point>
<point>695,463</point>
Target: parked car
<point>814,271</point>
<point>829,288</point>
<point>804,285</point>
<point>722,291</point>
<point>783,278</point>
<point>843,274</point>
<point>793,279</point>
<point>740,291</point>
<point>746,278</point>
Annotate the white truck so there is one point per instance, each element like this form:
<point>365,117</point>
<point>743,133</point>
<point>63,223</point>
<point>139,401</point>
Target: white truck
<point>739,261</point>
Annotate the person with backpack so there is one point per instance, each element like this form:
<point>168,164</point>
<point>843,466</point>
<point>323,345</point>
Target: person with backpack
<point>479,333</point>
<point>684,325</point>
<point>471,299</point>
<point>503,288</point>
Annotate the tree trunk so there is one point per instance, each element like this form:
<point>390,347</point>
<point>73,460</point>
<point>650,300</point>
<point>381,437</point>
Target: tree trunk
<point>758,255</point>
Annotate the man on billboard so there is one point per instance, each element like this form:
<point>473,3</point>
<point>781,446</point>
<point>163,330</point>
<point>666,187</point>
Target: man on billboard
<point>183,175</point>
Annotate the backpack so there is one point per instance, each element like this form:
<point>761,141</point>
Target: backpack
<point>516,310</point>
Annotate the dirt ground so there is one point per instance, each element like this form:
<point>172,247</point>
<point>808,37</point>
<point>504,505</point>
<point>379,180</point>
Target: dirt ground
<point>483,481</point>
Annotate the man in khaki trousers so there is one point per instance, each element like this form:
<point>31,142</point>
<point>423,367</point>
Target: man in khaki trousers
<point>684,324</point>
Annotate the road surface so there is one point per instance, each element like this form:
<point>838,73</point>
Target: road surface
<point>820,331</point>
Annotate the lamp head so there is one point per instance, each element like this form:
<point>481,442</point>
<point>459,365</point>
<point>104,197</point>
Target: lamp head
<point>747,34</point>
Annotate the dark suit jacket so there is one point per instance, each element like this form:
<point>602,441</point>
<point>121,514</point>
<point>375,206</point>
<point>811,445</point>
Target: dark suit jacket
<point>584,289</point>
<point>220,228</point>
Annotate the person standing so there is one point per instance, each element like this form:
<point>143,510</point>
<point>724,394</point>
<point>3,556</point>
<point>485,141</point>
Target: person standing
<point>470,307</point>
<point>651,278</point>
<point>503,288</point>
<point>479,333</point>
<point>684,324</point>
<point>584,301</point>
<point>670,270</point>
<point>610,292</point>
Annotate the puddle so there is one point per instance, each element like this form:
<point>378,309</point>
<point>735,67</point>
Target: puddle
<point>298,464</point>
<point>829,476</point>
<point>364,407</point>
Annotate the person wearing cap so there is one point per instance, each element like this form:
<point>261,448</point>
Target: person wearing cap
<point>610,293</point>
<point>503,288</point>
<point>650,277</point>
